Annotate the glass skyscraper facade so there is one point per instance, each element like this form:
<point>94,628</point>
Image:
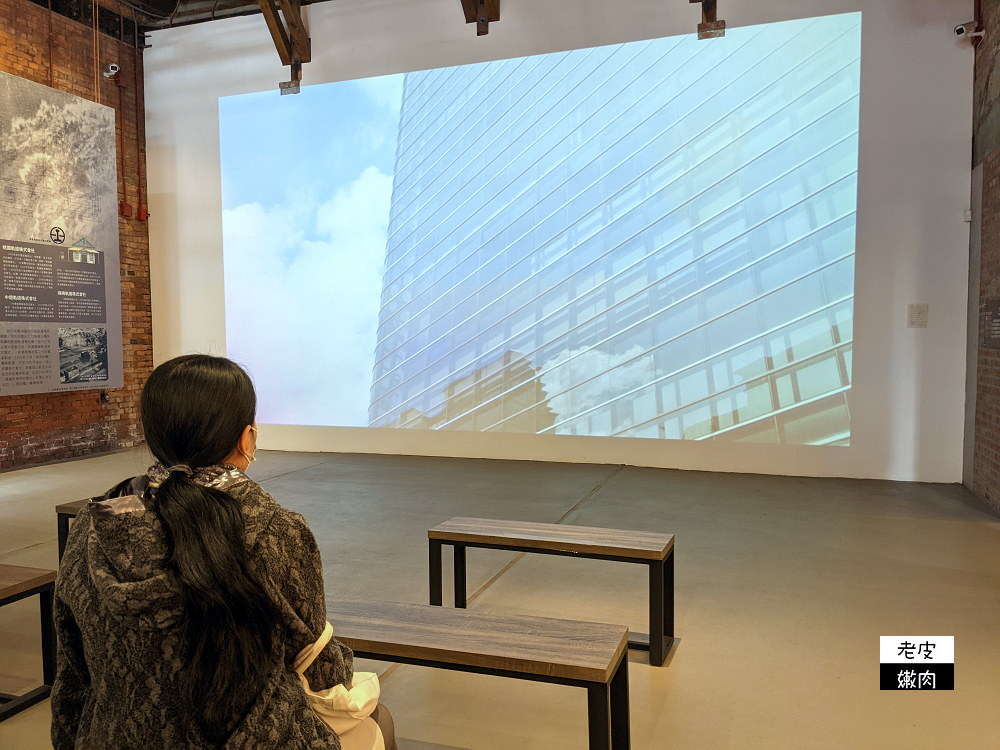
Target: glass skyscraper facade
<point>654,239</point>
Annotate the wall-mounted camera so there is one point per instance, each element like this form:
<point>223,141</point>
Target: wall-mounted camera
<point>112,71</point>
<point>968,30</point>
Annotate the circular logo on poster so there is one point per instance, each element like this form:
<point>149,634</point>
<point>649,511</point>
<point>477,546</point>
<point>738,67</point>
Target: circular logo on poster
<point>57,235</point>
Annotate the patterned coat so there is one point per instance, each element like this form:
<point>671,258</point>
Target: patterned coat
<point>117,609</point>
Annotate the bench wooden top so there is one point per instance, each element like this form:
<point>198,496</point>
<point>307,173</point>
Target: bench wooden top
<point>73,508</point>
<point>517,643</point>
<point>15,579</point>
<point>644,545</point>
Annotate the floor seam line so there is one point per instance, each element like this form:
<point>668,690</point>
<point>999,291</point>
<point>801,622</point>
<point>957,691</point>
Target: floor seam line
<point>293,471</point>
<point>22,549</point>
<point>590,494</point>
<point>494,579</point>
<point>562,518</point>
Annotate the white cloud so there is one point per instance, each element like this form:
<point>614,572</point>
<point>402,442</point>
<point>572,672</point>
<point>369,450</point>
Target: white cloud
<point>302,314</point>
<point>386,91</point>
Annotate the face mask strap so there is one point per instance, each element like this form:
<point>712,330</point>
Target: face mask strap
<point>253,457</point>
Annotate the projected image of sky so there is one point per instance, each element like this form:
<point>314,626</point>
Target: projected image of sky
<point>653,239</point>
<point>306,185</point>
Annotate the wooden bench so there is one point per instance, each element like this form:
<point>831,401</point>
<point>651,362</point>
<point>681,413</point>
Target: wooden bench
<point>65,512</point>
<point>18,583</point>
<point>643,547</point>
<point>583,654</point>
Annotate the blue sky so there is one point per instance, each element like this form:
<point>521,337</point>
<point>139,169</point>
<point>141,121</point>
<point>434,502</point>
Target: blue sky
<point>272,146</point>
<point>306,188</point>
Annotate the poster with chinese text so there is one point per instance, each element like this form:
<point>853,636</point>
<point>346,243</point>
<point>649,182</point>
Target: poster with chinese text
<point>60,300</point>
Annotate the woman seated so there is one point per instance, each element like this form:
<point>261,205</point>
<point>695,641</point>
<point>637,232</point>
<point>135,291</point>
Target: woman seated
<point>185,594</point>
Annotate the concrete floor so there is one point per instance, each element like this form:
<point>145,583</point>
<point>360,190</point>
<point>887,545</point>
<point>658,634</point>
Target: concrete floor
<point>783,586</point>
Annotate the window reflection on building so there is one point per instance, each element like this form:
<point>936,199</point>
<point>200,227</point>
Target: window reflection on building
<point>506,391</point>
<point>657,237</point>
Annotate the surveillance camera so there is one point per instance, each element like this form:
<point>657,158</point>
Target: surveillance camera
<point>968,29</point>
<point>112,71</point>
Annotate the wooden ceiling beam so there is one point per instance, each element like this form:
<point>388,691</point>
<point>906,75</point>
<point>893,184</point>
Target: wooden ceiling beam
<point>277,28</point>
<point>710,28</point>
<point>291,10</point>
<point>291,38</point>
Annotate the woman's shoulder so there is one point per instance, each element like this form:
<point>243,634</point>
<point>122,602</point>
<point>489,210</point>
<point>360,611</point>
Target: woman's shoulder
<point>134,486</point>
<point>269,521</point>
<point>291,527</point>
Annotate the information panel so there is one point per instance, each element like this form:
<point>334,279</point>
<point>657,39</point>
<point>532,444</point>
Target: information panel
<point>60,300</point>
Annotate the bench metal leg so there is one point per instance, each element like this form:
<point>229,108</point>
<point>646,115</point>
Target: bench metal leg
<point>13,704</point>
<point>62,523</point>
<point>668,598</point>
<point>621,733</point>
<point>460,597</point>
<point>661,609</point>
<point>21,702</point>
<point>608,711</point>
<point>599,715</point>
<point>48,636</point>
<point>434,548</point>
<point>656,613</point>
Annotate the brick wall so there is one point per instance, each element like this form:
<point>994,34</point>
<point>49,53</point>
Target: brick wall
<point>986,456</point>
<point>986,150</point>
<point>45,427</point>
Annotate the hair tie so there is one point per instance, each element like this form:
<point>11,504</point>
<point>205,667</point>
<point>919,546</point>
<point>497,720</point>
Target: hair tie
<point>183,468</point>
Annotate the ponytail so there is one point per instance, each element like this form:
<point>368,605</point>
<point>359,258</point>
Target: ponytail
<point>226,609</point>
<point>193,411</point>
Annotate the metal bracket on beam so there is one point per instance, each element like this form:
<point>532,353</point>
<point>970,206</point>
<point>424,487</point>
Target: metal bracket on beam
<point>481,12</point>
<point>709,28</point>
<point>291,38</point>
<point>292,86</point>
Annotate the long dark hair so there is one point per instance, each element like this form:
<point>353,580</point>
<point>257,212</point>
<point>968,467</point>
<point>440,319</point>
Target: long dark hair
<point>194,409</point>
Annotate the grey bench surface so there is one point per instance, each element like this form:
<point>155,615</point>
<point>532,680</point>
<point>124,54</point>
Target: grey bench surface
<point>639,545</point>
<point>64,512</point>
<point>568,649</point>
<point>566,652</point>
<point>650,548</point>
<point>71,509</point>
<point>16,581</point>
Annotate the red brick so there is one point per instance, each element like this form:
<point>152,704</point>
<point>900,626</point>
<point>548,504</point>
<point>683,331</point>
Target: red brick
<point>44,427</point>
<point>985,467</point>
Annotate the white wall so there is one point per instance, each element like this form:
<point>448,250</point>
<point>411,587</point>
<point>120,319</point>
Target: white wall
<point>912,245</point>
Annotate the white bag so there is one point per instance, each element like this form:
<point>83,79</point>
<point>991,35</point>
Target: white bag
<point>346,712</point>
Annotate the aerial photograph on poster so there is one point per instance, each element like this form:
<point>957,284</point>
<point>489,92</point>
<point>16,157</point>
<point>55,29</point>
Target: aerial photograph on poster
<point>83,354</point>
<point>59,254</point>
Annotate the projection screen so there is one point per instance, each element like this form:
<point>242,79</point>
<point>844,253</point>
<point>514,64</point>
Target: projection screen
<point>653,239</point>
